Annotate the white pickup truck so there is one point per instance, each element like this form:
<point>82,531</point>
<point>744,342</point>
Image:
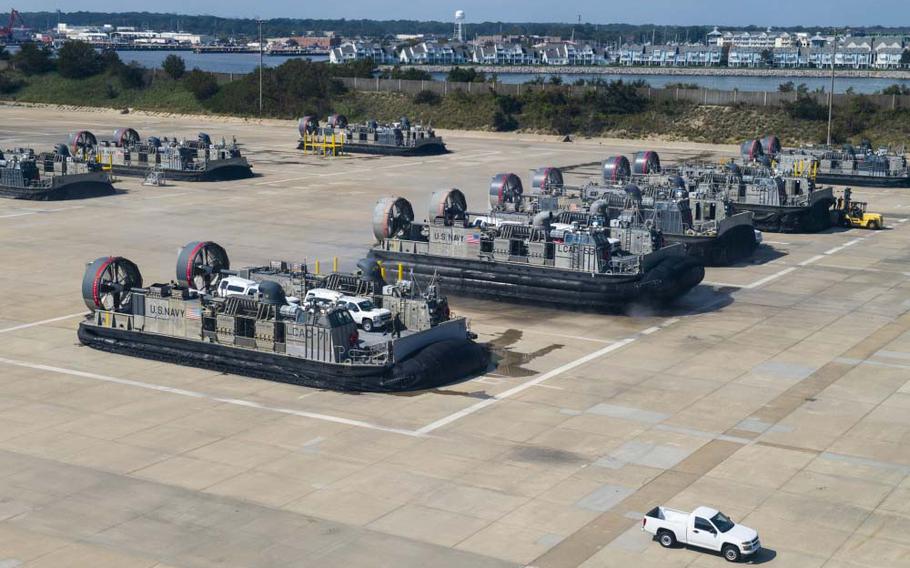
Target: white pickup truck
<point>704,528</point>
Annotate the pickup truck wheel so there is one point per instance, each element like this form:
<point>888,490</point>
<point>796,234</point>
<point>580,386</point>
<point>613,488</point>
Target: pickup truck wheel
<point>367,325</point>
<point>731,553</point>
<point>666,539</point>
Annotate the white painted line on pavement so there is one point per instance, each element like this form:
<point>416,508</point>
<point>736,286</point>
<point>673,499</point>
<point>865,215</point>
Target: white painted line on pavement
<point>809,261</point>
<point>42,322</point>
<point>207,396</point>
<point>845,245</point>
<point>786,271</point>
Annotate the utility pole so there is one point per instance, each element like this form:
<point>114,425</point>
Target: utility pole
<point>259,21</point>
<point>831,94</point>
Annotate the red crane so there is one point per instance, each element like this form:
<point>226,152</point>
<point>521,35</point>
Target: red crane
<point>7,31</point>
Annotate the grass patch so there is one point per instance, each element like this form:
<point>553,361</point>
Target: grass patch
<point>163,94</point>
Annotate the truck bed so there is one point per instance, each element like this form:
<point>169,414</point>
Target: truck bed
<point>671,516</point>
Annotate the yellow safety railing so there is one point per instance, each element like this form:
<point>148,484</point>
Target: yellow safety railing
<point>322,145</point>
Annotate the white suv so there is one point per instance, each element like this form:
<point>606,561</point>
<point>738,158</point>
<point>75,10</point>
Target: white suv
<point>232,285</point>
<point>364,312</point>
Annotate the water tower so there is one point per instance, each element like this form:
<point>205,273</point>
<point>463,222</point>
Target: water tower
<point>459,26</point>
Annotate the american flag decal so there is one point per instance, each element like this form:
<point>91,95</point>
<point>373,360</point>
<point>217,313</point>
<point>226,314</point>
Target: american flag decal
<point>473,239</point>
<point>194,312</point>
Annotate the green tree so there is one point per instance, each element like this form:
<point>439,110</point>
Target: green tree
<point>4,54</point>
<point>767,57</point>
<point>32,59</point>
<point>110,60</point>
<point>787,87</point>
<point>174,66</point>
<point>905,57</point>
<point>78,59</point>
<point>203,85</point>
<point>896,90</point>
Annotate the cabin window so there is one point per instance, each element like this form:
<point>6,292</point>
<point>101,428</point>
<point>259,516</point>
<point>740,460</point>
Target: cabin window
<point>703,525</point>
<point>235,289</point>
<point>698,211</point>
<point>713,211</point>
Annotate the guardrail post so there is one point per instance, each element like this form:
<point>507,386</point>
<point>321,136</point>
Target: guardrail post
<point>377,84</point>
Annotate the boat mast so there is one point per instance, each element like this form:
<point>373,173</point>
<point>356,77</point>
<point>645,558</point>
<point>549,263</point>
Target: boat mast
<point>831,93</point>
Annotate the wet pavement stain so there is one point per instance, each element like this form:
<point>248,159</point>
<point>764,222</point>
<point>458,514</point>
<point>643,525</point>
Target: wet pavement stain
<point>510,363</point>
<point>538,454</point>
<point>481,395</point>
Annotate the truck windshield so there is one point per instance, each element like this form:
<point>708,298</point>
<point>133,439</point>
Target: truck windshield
<point>365,305</point>
<point>722,522</point>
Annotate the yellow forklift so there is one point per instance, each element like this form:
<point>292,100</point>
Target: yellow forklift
<point>853,214</point>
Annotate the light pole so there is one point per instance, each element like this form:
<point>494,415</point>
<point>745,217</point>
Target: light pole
<point>831,94</point>
<point>259,21</point>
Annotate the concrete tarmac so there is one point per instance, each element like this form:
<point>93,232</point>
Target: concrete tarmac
<point>777,391</point>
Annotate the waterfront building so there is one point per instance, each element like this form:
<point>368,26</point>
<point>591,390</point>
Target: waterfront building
<point>353,50</point>
<point>433,53</point>
<point>790,57</point>
<point>746,56</point>
<point>700,55</point>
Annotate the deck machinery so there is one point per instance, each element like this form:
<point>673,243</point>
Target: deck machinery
<point>704,222</point>
<point>50,175</point>
<point>844,165</point>
<point>270,334</point>
<point>581,264</point>
<point>127,154</point>
<point>779,202</point>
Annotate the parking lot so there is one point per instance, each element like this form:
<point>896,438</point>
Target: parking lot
<point>777,391</point>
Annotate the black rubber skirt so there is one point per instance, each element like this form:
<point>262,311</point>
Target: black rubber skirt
<point>442,363</point>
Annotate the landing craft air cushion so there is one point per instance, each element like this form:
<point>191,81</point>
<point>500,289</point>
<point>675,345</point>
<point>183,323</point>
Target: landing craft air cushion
<point>127,154</point>
<point>270,334</point>
<point>585,267</point>
<point>50,176</point>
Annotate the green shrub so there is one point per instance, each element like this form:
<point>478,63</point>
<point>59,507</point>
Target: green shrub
<point>465,75</point>
<point>360,68</point>
<point>503,122</point>
<point>9,83</point>
<point>806,108</point>
<point>427,97</point>
<point>203,85</point>
<point>78,59</point>
<point>410,74</point>
<point>131,76</point>
<point>174,66</point>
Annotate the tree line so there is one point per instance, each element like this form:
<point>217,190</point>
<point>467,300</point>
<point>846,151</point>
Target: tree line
<point>248,27</point>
